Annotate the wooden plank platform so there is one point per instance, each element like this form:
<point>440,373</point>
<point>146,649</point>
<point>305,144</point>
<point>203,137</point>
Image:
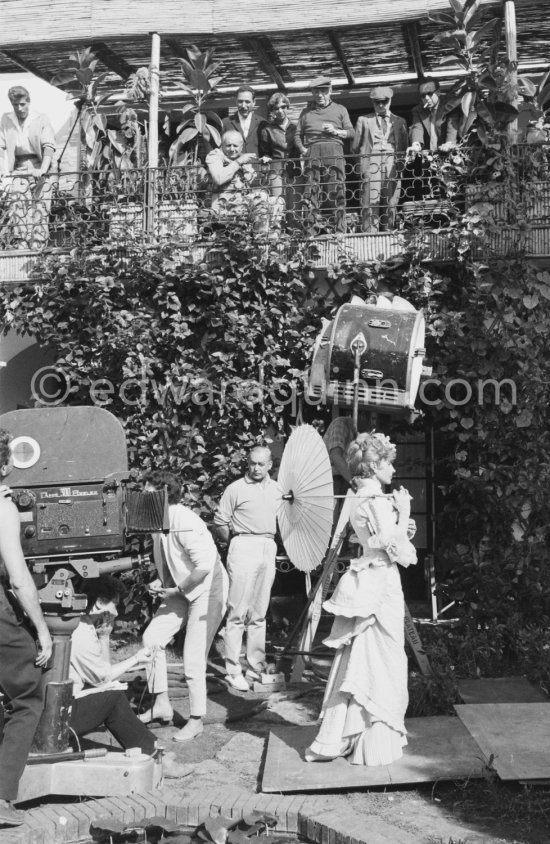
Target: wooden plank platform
<point>439,748</point>
<point>517,735</point>
<point>500,690</point>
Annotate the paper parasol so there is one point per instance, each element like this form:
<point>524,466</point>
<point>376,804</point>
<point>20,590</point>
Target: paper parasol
<point>306,512</point>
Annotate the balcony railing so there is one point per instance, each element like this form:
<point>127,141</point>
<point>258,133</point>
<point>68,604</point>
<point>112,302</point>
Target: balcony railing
<point>339,200</point>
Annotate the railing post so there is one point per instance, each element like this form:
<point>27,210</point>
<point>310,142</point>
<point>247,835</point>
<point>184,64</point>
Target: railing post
<point>153,145</point>
<point>512,54</point>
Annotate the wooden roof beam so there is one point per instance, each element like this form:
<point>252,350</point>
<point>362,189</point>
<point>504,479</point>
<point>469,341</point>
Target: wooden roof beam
<point>339,50</point>
<point>112,60</point>
<point>410,32</point>
<point>24,64</point>
<point>264,51</point>
<point>175,48</point>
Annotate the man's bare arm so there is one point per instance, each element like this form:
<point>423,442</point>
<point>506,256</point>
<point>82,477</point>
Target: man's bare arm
<point>339,463</point>
<point>20,578</point>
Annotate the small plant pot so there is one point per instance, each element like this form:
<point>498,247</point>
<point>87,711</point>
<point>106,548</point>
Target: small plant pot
<point>177,220</point>
<point>125,221</point>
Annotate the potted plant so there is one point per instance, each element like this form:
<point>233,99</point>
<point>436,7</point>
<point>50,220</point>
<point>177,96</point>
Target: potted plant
<point>199,128</point>
<point>114,158</point>
<point>485,97</point>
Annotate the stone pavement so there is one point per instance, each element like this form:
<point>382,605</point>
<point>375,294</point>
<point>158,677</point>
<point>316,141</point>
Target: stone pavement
<point>227,762</point>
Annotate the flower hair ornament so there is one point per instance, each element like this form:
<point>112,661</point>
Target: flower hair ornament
<point>384,441</point>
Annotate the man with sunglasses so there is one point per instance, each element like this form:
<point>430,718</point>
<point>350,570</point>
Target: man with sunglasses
<point>432,127</point>
<point>381,142</point>
<point>323,126</point>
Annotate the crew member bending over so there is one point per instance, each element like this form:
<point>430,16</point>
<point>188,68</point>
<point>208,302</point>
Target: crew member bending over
<point>192,586</point>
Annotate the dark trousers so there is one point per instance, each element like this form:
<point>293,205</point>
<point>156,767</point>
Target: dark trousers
<point>324,188</point>
<point>21,683</point>
<point>112,709</point>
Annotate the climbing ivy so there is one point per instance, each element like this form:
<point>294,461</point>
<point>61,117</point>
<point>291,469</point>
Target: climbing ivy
<point>199,361</point>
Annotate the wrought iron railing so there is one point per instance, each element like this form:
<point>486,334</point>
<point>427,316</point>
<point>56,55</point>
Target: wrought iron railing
<point>307,200</point>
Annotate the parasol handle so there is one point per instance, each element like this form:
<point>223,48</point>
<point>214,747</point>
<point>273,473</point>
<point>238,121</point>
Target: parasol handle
<point>288,496</point>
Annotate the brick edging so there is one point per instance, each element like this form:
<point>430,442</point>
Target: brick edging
<point>304,814</point>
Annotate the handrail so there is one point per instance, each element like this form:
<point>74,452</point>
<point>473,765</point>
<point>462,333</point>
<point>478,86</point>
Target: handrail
<point>305,199</point>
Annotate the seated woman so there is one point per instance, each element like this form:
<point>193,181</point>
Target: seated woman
<point>98,699</point>
<point>366,696</point>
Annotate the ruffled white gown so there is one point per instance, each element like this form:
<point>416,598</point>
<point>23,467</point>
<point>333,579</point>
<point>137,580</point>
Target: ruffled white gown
<point>366,696</point>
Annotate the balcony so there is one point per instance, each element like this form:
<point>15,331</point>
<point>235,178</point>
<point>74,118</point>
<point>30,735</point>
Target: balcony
<point>289,209</point>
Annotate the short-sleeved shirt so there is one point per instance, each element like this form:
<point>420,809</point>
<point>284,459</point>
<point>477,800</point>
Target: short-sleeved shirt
<point>340,434</point>
<point>88,668</point>
<point>249,506</point>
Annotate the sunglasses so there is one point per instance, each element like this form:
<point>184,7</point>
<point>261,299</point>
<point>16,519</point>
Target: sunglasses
<point>380,102</point>
<point>279,106</point>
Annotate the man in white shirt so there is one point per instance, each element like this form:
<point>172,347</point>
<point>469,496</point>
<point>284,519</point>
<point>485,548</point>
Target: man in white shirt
<point>247,512</point>
<point>245,121</point>
<point>192,586</point>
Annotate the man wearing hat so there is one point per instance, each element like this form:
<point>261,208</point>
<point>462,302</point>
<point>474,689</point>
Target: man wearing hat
<point>381,141</point>
<point>432,129</point>
<point>323,126</point>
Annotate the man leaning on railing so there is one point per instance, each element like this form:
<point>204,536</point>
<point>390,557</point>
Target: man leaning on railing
<point>234,197</point>
<point>27,146</point>
<point>433,130</point>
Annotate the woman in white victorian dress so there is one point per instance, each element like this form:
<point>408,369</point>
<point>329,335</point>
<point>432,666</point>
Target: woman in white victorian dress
<point>366,696</point>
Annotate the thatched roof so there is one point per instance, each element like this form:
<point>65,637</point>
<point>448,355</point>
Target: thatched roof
<point>355,42</point>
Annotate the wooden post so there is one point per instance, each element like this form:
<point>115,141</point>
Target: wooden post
<point>512,54</point>
<point>153,145</point>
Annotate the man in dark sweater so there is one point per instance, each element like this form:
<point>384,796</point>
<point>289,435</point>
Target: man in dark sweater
<point>323,126</point>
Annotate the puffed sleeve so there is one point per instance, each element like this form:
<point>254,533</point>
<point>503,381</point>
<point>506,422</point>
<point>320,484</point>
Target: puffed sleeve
<point>376,515</point>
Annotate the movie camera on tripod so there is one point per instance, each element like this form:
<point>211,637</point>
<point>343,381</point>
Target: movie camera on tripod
<point>81,513</point>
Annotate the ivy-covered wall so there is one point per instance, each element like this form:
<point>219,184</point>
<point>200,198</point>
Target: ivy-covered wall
<point>199,362</point>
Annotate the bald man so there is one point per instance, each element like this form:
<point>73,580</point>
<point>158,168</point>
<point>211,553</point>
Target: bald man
<point>231,171</point>
<point>247,514</point>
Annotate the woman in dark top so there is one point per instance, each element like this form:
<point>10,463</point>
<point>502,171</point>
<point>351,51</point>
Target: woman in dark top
<point>277,142</point>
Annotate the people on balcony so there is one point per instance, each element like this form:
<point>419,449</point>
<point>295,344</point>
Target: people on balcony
<point>245,121</point>
<point>278,144</point>
<point>323,126</point>
<point>432,129</point>
<point>236,192</point>
<point>27,146</point>
<point>381,141</point>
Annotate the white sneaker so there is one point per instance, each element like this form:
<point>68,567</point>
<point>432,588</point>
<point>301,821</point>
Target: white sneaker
<point>237,681</point>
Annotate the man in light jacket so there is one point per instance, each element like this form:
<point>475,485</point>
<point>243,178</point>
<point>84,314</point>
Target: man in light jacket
<point>381,142</point>
<point>192,586</point>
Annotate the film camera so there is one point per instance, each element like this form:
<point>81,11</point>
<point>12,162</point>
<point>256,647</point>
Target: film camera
<point>76,498</point>
<point>80,512</point>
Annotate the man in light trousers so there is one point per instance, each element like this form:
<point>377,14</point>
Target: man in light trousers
<point>192,585</point>
<point>247,513</point>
